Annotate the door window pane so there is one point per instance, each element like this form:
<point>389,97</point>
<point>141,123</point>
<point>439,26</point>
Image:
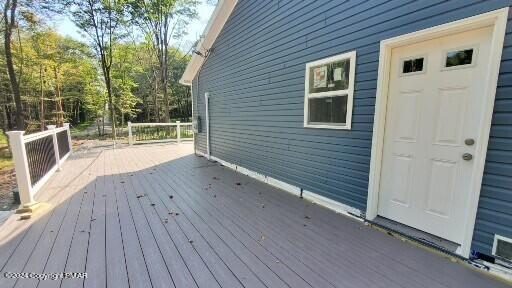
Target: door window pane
<point>332,110</point>
<point>412,65</point>
<point>460,57</point>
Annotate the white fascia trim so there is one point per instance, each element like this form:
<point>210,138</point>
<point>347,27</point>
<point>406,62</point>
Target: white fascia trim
<point>211,32</point>
<point>294,190</point>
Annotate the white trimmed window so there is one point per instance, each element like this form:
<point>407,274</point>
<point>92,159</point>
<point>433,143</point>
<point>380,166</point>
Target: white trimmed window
<point>329,92</point>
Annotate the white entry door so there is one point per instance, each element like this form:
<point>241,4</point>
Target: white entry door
<point>434,114</point>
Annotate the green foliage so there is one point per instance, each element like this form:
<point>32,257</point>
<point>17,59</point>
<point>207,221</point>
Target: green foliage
<point>123,83</point>
<point>5,154</point>
<point>54,72</point>
<point>137,73</point>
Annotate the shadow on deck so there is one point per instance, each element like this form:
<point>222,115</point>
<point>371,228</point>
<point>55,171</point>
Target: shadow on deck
<point>158,216</point>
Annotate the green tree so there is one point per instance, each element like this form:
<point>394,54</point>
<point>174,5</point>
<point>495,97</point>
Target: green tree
<point>123,82</point>
<point>12,20</point>
<point>101,20</point>
<point>164,20</point>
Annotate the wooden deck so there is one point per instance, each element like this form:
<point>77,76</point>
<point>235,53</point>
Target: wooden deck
<point>158,216</point>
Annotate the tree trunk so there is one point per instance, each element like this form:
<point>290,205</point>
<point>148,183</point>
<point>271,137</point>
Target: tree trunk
<point>10,8</point>
<point>58,101</point>
<point>111,104</point>
<point>122,122</point>
<point>41,112</point>
<point>164,68</point>
<point>98,126</point>
<point>5,120</point>
<point>166,99</point>
<point>157,112</point>
<point>8,115</point>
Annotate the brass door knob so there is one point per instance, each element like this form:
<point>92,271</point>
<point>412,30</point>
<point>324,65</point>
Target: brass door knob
<point>467,156</point>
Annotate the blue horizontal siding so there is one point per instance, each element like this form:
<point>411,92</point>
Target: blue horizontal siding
<point>255,78</point>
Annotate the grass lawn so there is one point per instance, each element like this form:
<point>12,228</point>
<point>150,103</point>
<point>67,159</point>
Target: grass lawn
<point>5,155</point>
<point>81,127</point>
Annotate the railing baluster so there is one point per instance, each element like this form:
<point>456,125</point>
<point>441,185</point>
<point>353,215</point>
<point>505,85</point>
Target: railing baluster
<point>147,132</point>
<point>55,146</point>
<point>36,157</point>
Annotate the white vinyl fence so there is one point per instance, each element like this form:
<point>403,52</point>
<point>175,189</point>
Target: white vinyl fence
<point>159,132</point>
<point>37,156</point>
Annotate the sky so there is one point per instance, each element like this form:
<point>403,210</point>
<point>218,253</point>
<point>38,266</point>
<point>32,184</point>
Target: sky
<point>66,27</point>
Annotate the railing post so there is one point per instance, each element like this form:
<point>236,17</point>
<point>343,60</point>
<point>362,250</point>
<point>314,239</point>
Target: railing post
<point>19,155</point>
<point>178,131</point>
<point>130,137</point>
<point>55,145</point>
<point>69,137</point>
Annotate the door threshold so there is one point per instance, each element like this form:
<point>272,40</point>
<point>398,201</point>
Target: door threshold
<point>414,234</point>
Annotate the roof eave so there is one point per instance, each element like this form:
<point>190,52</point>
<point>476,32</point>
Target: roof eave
<point>211,32</point>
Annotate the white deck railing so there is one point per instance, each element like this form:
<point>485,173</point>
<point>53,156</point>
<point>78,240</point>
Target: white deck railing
<point>37,156</point>
<point>159,132</point>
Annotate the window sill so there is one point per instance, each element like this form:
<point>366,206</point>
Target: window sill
<point>327,126</point>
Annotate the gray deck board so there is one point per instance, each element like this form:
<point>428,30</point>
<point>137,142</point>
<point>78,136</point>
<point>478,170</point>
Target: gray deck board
<point>155,263</point>
<point>95,262</point>
<point>274,263</point>
<point>22,253</point>
<point>291,227</point>
<point>117,275</point>
<point>255,211</point>
<point>265,273</point>
<point>244,274</point>
<point>138,275</point>
<point>323,227</point>
<point>43,248</point>
<point>312,241</point>
<point>78,250</point>
<point>59,252</point>
<point>177,268</point>
<point>157,216</point>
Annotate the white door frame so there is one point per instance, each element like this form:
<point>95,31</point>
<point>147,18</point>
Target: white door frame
<point>497,19</point>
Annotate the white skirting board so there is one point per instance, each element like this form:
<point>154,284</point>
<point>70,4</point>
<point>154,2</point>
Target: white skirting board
<point>308,195</point>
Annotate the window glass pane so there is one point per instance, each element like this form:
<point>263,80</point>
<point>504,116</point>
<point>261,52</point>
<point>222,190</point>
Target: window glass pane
<point>412,65</point>
<point>332,76</point>
<point>460,57</point>
<point>332,110</point>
